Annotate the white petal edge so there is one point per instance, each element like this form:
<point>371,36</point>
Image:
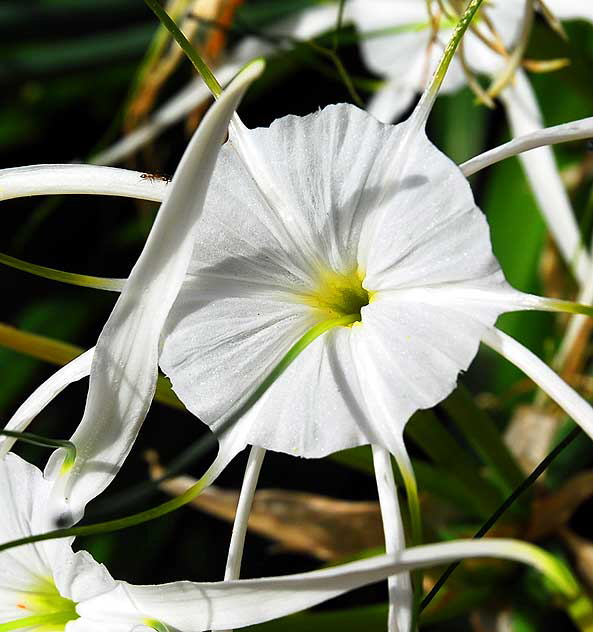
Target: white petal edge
<point>193,607</point>
<point>540,167</point>
<point>556,388</point>
<point>399,618</point>
<point>125,364</point>
<point>575,130</point>
<point>79,179</point>
<point>73,371</point>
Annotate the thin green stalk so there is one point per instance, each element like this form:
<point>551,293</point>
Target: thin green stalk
<point>526,484</point>
<point>424,107</point>
<point>197,488</point>
<point>193,55</point>
<point>82,280</point>
<point>44,442</point>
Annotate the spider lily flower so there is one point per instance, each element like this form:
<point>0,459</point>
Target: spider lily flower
<point>339,214</point>
<point>46,586</point>
<point>124,365</point>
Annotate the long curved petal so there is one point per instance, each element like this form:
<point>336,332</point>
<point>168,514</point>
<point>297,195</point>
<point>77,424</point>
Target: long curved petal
<point>77,369</point>
<point>400,586</point>
<point>557,389</point>
<point>125,363</point>
<point>575,130</point>
<point>79,179</point>
<point>192,607</point>
<point>524,117</point>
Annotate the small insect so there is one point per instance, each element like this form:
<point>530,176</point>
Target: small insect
<point>153,177</point>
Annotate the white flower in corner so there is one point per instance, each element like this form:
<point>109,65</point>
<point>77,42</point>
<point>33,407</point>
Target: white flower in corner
<point>46,586</point>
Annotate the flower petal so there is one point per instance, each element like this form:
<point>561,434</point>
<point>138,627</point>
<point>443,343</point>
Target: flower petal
<point>124,369</point>
<point>79,179</point>
<point>556,388</point>
<point>540,168</point>
<point>73,371</point>
<point>391,101</point>
<point>400,586</point>
<point>571,9</point>
<point>575,130</point>
<point>193,607</point>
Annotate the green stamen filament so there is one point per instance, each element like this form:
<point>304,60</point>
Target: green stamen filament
<point>51,611</point>
<point>339,295</point>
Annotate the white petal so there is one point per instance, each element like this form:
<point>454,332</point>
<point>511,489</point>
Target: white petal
<point>42,566</point>
<point>575,130</point>
<point>23,495</point>
<point>391,101</point>
<point>79,179</point>
<point>571,9</point>
<point>557,389</point>
<point>334,190</point>
<point>525,117</point>
<point>192,607</point>
<point>125,363</point>
<point>73,371</point>
<point>235,555</point>
<point>400,586</point>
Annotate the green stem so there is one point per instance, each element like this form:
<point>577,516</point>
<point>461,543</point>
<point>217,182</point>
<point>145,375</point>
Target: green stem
<point>82,280</point>
<point>44,442</point>
<point>196,489</point>
<point>193,55</point>
<point>424,107</point>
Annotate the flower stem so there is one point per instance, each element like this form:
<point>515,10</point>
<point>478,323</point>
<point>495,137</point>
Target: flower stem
<point>199,64</point>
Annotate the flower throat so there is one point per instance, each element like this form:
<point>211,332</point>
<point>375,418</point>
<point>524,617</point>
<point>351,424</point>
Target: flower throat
<point>339,294</point>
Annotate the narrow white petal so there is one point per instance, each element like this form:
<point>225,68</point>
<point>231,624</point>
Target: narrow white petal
<point>193,607</point>
<point>172,111</point>
<point>556,388</point>
<point>235,555</point>
<point>233,565</point>
<point>400,586</point>
<point>79,179</point>
<point>542,172</point>
<point>125,363</point>
<point>73,371</point>
<point>575,130</point>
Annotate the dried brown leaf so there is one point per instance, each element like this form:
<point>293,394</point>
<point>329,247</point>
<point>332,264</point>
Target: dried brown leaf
<point>324,527</point>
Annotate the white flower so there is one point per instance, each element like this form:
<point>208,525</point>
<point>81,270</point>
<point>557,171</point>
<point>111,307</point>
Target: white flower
<point>46,586</point>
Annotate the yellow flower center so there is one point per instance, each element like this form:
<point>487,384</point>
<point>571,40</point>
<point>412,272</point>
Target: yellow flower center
<point>43,608</point>
<point>339,294</point>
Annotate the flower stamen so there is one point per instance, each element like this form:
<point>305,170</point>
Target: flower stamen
<point>339,294</point>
